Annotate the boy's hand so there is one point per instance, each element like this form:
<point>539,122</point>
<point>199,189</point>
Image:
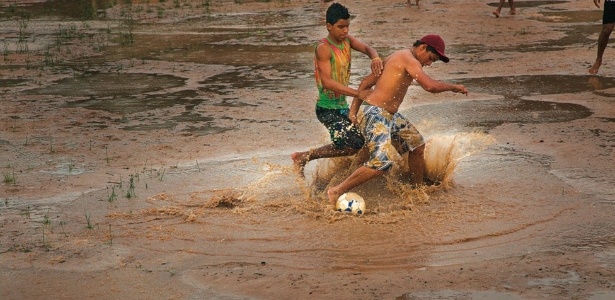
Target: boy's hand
<point>364,94</point>
<point>353,118</point>
<point>377,66</point>
<point>460,89</point>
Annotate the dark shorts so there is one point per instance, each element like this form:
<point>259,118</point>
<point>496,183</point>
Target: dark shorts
<point>608,16</point>
<point>343,133</point>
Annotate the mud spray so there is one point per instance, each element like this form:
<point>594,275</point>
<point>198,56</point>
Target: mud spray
<point>281,189</point>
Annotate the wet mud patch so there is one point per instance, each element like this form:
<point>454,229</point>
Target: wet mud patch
<point>263,78</point>
<point>108,85</point>
<point>519,86</point>
<point>574,16</point>
<point>273,36</point>
<point>492,113</point>
<point>270,19</point>
<point>8,83</point>
<point>228,49</point>
<point>78,10</point>
<point>574,35</point>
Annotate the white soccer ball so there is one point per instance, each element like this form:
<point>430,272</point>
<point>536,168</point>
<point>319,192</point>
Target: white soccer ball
<point>351,203</point>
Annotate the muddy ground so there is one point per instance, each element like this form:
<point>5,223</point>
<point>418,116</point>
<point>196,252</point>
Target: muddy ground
<point>145,153</point>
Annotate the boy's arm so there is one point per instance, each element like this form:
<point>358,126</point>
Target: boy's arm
<point>323,58</point>
<point>377,64</point>
<point>414,68</point>
<point>364,90</point>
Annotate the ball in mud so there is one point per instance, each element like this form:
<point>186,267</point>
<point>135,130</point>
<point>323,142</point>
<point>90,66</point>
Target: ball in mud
<point>351,203</point>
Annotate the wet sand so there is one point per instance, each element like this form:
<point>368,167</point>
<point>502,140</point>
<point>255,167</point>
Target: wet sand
<point>146,155</point>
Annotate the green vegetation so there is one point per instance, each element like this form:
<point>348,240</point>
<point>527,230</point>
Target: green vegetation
<point>89,224</point>
<point>10,177</point>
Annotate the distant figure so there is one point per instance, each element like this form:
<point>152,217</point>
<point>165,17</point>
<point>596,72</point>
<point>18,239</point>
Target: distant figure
<point>511,3</point>
<point>382,125</point>
<point>332,60</point>
<point>608,21</point>
<point>410,4</point>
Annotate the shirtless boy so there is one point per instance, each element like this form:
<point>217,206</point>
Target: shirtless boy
<point>381,124</point>
<point>332,72</point>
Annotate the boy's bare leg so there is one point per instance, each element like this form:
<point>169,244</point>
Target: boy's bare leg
<point>361,157</point>
<point>603,40</point>
<point>300,159</point>
<point>513,11</point>
<point>359,176</point>
<point>416,162</point>
<point>496,12</point>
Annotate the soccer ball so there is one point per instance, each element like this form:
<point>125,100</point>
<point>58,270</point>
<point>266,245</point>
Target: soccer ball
<point>351,203</point>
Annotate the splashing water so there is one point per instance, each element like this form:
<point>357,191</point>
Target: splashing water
<point>443,153</point>
<point>280,189</point>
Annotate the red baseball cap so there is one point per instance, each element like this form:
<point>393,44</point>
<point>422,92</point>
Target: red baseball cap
<point>436,42</point>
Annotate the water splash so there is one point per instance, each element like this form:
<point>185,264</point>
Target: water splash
<point>444,152</point>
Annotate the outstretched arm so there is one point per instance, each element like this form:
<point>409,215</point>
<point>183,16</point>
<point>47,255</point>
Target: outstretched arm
<point>415,70</point>
<point>377,64</point>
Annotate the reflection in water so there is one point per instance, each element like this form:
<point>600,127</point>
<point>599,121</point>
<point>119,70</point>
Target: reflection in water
<point>527,85</point>
<point>491,113</point>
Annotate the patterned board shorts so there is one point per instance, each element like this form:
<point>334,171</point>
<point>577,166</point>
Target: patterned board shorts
<point>382,130</point>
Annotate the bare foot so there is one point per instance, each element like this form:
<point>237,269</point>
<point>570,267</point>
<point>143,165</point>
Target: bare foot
<point>496,13</point>
<point>299,161</point>
<point>594,69</point>
<point>512,12</point>
<point>333,195</point>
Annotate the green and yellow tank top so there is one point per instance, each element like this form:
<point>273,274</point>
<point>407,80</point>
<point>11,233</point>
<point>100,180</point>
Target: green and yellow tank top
<point>340,72</point>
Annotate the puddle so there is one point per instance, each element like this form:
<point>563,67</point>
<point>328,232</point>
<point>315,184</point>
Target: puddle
<point>109,85</point>
<point>265,78</point>
<point>602,295</point>
<point>131,104</point>
<point>6,83</point>
<point>452,294</point>
<point>226,49</point>
<point>528,85</point>
<point>74,9</point>
<point>512,109</point>
<point>578,16</point>
<point>492,113</point>
<point>574,35</point>
<point>571,278</point>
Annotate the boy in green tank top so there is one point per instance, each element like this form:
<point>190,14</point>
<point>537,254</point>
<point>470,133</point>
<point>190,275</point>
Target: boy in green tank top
<point>332,73</point>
